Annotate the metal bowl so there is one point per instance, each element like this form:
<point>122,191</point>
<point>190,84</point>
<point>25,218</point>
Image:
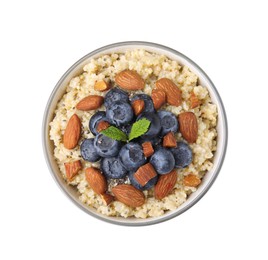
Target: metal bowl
<point>204,80</point>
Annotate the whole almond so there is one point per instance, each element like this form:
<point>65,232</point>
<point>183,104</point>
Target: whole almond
<point>72,169</point>
<point>169,140</point>
<point>96,180</point>
<point>194,101</point>
<point>188,126</point>
<point>72,132</point>
<point>102,125</point>
<point>191,180</point>
<point>101,86</point>
<point>165,184</point>
<point>107,198</point>
<point>129,195</point>
<point>138,106</point>
<point>159,98</point>
<point>145,173</point>
<point>129,80</point>
<point>90,103</point>
<point>148,149</point>
<point>173,93</point>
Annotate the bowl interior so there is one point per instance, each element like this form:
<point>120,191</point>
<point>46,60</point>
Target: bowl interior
<point>75,70</point>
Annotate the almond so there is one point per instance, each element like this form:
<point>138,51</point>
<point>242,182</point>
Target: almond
<point>191,180</point>
<point>144,174</point>
<point>138,106</point>
<point>165,184</point>
<point>148,149</point>
<point>72,132</point>
<point>72,169</point>
<point>173,93</point>
<point>129,195</point>
<point>129,80</point>
<point>188,126</point>
<point>90,103</point>
<point>107,198</point>
<point>159,98</point>
<point>194,101</point>
<point>101,85</point>
<point>102,125</point>
<point>96,180</point>
<point>169,140</point>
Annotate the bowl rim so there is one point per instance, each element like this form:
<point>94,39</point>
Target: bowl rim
<point>153,220</point>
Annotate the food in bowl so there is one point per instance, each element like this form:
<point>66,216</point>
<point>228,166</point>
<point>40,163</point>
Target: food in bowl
<point>135,133</point>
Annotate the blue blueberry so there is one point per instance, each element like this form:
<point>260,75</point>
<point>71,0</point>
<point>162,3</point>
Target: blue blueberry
<point>131,156</point>
<point>119,113</point>
<point>106,147</point>
<point>148,102</point>
<point>155,125</point>
<point>112,168</point>
<point>95,119</point>
<point>114,95</point>
<point>163,161</point>
<point>169,122</point>
<point>183,155</point>
<point>147,186</point>
<point>88,151</point>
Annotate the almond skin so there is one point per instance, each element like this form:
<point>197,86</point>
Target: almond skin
<point>165,184</point>
<point>129,80</point>
<point>169,140</point>
<point>96,180</point>
<point>90,103</point>
<point>148,149</point>
<point>102,125</point>
<point>144,174</point>
<point>72,132</point>
<point>138,106</point>
<point>72,169</point>
<point>194,101</point>
<point>159,98</point>
<point>188,126</point>
<point>129,195</point>
<point>101,86</point>
<point>107,198</point>
<point>191,180</point>
<point>173,93</point>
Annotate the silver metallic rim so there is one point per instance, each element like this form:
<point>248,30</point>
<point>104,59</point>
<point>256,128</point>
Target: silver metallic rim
<point>148,221</point>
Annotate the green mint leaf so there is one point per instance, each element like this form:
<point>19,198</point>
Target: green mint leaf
<point>139,128</point>
<point>115,133</point>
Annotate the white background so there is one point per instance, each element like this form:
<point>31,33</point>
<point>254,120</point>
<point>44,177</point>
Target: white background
<point>40,40</point>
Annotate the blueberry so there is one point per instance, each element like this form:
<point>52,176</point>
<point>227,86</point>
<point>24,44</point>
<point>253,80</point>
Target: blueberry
<point>113,168</point>
<point>115,94</point>
<point>169,122</point>
<point>106,147</point>
<point>148,102</point>
<point>120,113</point>
<point>147,186</point>
<point>155,125</point>
<point>88,151</point>
<point>95,119</point>
<point>182,154</point>
<point>131,156</point>
<point>163,161</point>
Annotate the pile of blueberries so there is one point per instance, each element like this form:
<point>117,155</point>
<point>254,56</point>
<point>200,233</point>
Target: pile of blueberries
<point>120,159</point>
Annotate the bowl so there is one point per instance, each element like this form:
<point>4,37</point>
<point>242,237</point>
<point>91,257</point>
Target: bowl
<point>204,80</point>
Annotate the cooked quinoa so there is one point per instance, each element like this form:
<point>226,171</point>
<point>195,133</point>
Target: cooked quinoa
<point>151,67</point>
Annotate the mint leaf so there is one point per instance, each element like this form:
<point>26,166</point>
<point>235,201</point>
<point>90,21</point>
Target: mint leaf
<point>139,128</point>
<point>115,133</point>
